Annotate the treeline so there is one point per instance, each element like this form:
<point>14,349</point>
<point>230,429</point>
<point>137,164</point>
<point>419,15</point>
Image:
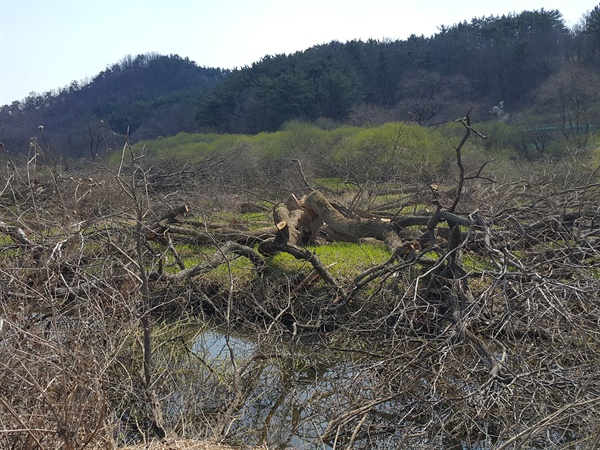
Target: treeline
<point>421,79</point>
<point>144,96</point>
<point>362,158</point>
<point>508,66</point>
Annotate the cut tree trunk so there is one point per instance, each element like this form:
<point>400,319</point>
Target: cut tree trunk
<point>316,205</point>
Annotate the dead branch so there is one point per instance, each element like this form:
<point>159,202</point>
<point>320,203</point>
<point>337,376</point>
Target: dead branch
<point>271,247</point>
<point>220,257</point>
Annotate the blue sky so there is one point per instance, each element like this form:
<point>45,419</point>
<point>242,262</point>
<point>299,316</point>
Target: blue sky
<point>46,44</point>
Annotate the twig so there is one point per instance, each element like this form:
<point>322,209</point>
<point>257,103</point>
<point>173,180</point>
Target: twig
<point>306,183</point>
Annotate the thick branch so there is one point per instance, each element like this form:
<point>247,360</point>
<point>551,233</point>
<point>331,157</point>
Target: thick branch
<point>345,227</point>
<point>220,257</point>
<point>271,247</point>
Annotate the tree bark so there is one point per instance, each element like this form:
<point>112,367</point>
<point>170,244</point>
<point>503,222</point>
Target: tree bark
<point>349,228</point>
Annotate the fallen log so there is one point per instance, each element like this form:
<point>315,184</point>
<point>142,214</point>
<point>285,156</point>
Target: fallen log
<point>350,229</point>
<point>248,237</point>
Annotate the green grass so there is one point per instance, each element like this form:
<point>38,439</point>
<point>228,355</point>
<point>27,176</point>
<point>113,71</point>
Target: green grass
<point>285,264</point>
<point>258,218</point>
<point>371,253</point>
<point>346,259</point>
<point>5,240</point>
<point>351,259</point>
<point>336,184</point>
<point>239,271</point>
<point>472,261</point>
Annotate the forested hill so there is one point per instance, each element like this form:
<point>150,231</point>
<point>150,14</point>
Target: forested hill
<point>509,59</point>
<point>427,80</point>
<point>146,96</point>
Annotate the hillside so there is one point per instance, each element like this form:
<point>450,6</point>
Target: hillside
<point>513,65</point>
<point>425,80</point>
<point>145,96</point>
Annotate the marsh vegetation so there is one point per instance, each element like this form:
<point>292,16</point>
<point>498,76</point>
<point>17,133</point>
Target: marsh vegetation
<point>169,295</point>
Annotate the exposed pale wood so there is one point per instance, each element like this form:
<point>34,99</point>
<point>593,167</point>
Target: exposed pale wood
<point>350,228</point>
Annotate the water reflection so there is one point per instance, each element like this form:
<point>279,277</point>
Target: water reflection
<point>214,345</point>
<point>287,404</point>
<point>304,395</point>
